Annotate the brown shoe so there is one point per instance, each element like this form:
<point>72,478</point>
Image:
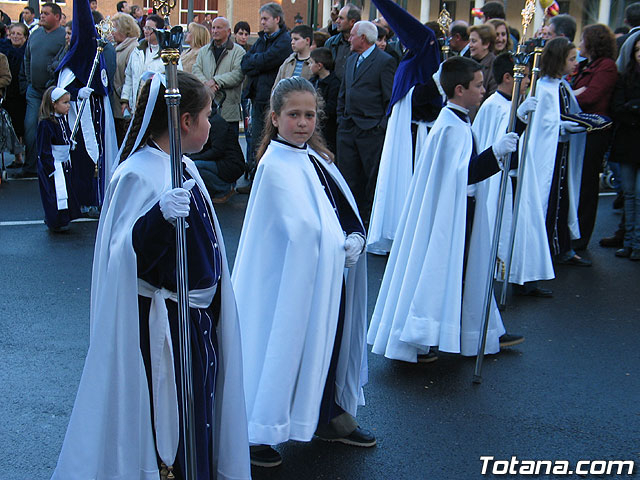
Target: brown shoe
<point>225,198</point>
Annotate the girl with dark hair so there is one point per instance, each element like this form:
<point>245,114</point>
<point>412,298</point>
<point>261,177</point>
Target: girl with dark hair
<point>626,113</point>
<point>126,419</point>
<point>54,165</point>
<point>303,316</point>
<point>556,150</point>
<point>593,87</point>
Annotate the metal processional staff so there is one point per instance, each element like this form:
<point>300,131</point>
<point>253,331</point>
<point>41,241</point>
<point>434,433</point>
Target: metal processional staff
<point>170,41</point>
<point>521,59</point>
<point>535,74</point>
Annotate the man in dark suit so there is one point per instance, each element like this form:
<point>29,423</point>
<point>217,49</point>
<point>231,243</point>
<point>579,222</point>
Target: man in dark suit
<point>362,104</point>
<point>632,18</point>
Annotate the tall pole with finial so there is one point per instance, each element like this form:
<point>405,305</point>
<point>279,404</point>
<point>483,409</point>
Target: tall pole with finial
<point>105,29</point>
<point>521,58</point>
<point>444,21</point>
<point>170,41</point>
<point>535,74</point>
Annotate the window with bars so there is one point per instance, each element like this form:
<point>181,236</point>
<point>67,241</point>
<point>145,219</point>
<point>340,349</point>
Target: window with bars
<point>200,8</point>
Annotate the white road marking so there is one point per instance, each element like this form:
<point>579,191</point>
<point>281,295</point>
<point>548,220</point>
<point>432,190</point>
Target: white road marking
<point>41,222</point>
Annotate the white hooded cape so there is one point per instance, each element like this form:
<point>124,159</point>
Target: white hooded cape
<point>420,300</point>
<point>490,124</point>
<point>288,276</point>
<point>394,178</point>
<point>110,435</point>
<point>531,254</point>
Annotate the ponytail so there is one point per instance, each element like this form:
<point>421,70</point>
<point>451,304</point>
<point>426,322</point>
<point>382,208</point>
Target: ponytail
<point>194,96</point>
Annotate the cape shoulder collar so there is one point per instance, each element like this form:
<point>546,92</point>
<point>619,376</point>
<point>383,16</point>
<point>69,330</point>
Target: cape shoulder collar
<point>283,144</point>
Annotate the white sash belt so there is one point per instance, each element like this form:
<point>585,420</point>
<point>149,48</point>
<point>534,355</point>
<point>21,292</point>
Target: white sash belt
<point>60,156</point>
<point>165,398</point>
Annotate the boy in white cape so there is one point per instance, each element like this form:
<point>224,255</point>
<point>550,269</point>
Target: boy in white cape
<point>490,123</point>
<point>420,304</point>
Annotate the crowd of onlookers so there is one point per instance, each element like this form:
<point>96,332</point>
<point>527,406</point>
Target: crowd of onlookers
<point>351,62</point>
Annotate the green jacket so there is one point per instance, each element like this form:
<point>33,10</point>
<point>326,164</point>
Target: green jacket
<point>227,73</point>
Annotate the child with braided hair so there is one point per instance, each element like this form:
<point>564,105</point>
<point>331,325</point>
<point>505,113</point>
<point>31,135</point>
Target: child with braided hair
<point>126,419</point>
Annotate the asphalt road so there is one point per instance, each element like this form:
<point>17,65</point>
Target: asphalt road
<point>570,392</point>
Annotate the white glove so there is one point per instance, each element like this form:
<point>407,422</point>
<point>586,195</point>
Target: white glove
<point>354,246</point>
<point>175,203</point>
<point>505,145</point>
<point>84,93</point>
<point>567,126</point>
<point>529,105</point>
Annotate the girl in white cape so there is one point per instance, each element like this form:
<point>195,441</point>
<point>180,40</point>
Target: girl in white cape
<point>557,150</point>
<point>126,419</point>
<point>300,279</point>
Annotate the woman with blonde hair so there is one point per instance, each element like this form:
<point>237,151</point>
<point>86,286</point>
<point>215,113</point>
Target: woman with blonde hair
<point>504,42</point>
<point>125,36</point>
<point>197,37</point>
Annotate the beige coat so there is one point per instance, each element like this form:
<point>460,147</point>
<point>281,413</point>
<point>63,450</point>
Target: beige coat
<point>189,59</point>
<point>227,74</point>
<point>5,73</point>
<point>287,68</point>
<point>123,51</point>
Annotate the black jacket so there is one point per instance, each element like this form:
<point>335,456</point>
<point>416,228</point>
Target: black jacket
<point>365,94</point>
<point>222,147</point>
<point>625,106</point>
<point>329,87</point>
<point>262,62</point>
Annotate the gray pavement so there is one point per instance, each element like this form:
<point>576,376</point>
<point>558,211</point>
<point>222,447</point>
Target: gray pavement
<point>570,392</point>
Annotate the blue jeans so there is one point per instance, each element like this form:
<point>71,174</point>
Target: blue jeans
<point>210,174</point>
<point>34,99</point>
<point>630,176</point>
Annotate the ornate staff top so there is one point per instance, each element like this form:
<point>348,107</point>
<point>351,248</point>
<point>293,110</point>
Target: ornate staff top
<point>528,12</point>
<point>444,20</point>
<point>164,7</point>
<point>105,28</point>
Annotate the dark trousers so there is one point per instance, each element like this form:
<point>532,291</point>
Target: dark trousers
<point>34,99</point>
<point>358,160</point>
<point>596,147</point>
<point>258,112</point>
<point>329,409</point>
<point>557,220</point>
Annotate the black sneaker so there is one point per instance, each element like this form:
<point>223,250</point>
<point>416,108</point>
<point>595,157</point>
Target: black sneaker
<point>624,252</point>
<point>264,456</point>
<point>428,357</point>
<point>25,175</point>
<point>508,340</point>
<point>246,189</point>
<point>61,229</point>
<point>357,438</point>
<point>534,292</point>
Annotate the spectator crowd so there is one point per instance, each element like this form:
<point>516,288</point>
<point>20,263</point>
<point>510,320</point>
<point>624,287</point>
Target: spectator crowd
<point>372,114</point>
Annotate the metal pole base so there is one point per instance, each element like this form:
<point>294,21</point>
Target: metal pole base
<point>477,379</point>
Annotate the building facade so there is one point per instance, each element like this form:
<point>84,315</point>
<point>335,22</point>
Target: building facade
<point>316,12</point>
